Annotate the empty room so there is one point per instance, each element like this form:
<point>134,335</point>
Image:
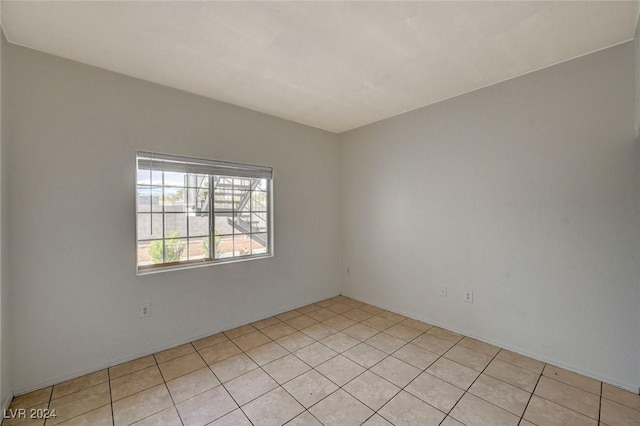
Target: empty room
<point>320,213</point>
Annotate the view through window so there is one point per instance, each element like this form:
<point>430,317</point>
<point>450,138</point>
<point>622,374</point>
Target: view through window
<point>194,211</point>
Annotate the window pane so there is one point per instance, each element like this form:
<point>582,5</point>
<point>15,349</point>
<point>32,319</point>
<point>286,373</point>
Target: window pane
<point>242,184</point>
<point>149,198</point>
<point>198,225</point>
<point>259,243</point>
<point>259,222</point>
<point>175,225</point>
<point>198,181</point>
<point>175,250</point>
<point>144,177</point>
<point>241,245</point>
<point>174,199</point>
<point>149,226</point>
<point>144,258</point>
<point>241,223</point>
<point>240,199</point>
<point>258,201</point>
<point>222,225</point>
<point>174,179</point>
<point>198,248</point>
<point>223,200</point>
<point>198,199</point>
<point>224,247</point>
<point>260,184</point>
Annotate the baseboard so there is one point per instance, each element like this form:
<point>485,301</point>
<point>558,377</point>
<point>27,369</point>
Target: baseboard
<point>631,387</point>
<point>157,349</point>
<point>5,406</point>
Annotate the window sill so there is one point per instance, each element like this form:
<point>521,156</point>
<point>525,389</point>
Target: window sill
<point>177,267</point>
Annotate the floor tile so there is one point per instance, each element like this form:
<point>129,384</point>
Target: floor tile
<point>131,366</point>
<point>376,420</point>
<point>378,323</point>
<point>288,315</point>
<point>251,340</point>
<point>392,316</point>
<point>403,332</point>
<point>240,331</point>
<point>406,409</point>
<point>397,372</point>
<point>385,342</point>
<point>365,355</point>
<point>621,396</point>
<point>340,370</point>
<point>315,354</point>
<point>300,322</point>
<point>514,375</point>
<point>570,378</point>
<point>32,399</point>
<point>206,407</point>
<point>479,346</point>
<point>209,341</point>
<point>450,421</point>
<point>435,391</point>
<point>614,414</point>
<point>250,386</point>
<point>502,394</point>
<point>286,368</point>
<point>357,315</point>
<point>219,352</point>
<point>339,308</point>
<point>192,384</point>
<point>543,412</point>
<point>141,405</point>
<point>272,409</point>
<point>304,419</point>
<point>432,343</point>
<point>341,409</point>
<point>98,417</point>
<point>309,308</point>
<point>266,353</point>
<point>295,341</point>
<point>277,331</point>
<point>234,418</point>
<point>360,331</point>
<point>321,314</point>
<point>371,309</point>
<point>166,417</point>
<point>83,382</point>
<point>520,360</point>
<point>476,360</point>
<point>135,382</point>
<point>233,367</point>
<point>180,366</point>
<point>80,402</point>
<point>310,387</point>
<point>416,356</point>
<point>173,353</point>
<point>454,373</point>
<point>339,342</point>
<point>418,325</point>
<point>372,390</point>
<point>473,411</point>
<point>339,322</point>
<point>443,334</point>
<point>568,396</point>
<point>265,322</point>
<point>319,331</point>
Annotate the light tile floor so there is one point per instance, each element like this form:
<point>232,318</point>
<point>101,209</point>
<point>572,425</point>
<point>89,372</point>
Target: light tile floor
<point>336,362</point>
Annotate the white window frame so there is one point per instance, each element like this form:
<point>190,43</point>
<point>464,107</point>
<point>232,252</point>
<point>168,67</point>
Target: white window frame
<point>215,171</point>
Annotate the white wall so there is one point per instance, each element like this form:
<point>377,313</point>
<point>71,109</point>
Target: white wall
<point>70,193</point>
<point>527,193</point>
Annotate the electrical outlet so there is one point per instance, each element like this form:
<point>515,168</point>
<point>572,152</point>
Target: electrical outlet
<point>145,310</point>
<point>468,296</point>
<point>443,292</point>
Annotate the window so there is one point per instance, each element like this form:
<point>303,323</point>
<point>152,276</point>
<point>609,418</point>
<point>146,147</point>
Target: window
<point>195,212</point>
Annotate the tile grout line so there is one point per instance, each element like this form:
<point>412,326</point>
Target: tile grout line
<point>531,396</point>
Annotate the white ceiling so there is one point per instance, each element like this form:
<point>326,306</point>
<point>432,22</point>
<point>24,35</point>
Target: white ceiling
<point>335,66</point>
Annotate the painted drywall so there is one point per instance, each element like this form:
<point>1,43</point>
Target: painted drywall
<point>70,193</point>
<point>526,193</point>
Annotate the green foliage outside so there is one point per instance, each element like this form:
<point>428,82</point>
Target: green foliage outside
<point>174,249</point>
<point>216,242</point>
